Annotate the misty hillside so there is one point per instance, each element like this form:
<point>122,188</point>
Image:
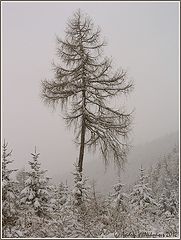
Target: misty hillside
<point>147,154</point>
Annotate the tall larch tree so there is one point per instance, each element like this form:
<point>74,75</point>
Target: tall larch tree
<point>83,83</point>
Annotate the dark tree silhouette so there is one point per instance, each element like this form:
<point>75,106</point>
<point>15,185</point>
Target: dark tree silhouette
<point>83,84</point>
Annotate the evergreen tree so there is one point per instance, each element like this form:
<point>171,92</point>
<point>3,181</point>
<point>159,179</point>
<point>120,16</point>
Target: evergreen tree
<point>173,203</point>
<point>60,211</point>
<point>9,198</point>
<point>168,212</point>
<point>167,185</point>
<point>80,190</point>
<point>165,176</point>
<point>35,194</point>
<point>141,196</point>
<point>168,202</point>
<point>155,175</point>
<point>119,197</point>
<point>21,178</point>
<point>118,211</point>
<point>163,202</point>
<point>59,196</point>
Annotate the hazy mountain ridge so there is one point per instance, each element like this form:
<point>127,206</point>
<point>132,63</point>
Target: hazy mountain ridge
<point>147,154</point>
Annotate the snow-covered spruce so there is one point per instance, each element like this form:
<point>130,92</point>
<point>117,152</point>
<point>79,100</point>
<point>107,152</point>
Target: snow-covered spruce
<point>141,197</point>
<point>80,190</point>
<point>21,177</point>
<point>59,196</point>
<point>35,194</point>
<point>119,197</point>
<point>9,197</point>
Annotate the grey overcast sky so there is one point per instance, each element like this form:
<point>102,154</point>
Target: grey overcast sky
<point>143,37</point>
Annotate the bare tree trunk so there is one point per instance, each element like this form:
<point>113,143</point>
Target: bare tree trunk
<point>81,153</point>
<point>82,141</point>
